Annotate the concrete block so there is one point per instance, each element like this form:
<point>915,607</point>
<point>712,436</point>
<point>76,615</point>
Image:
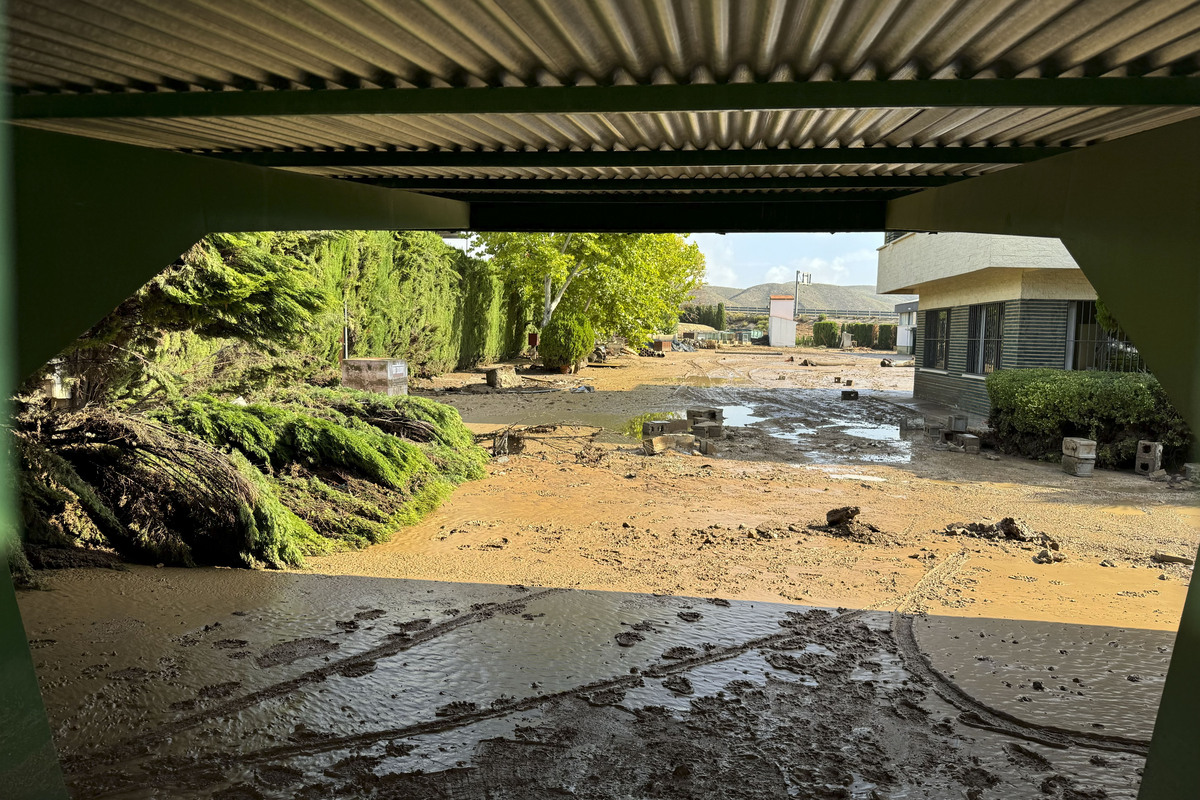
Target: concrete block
<point>703,413</point>
<point>957,423</point>
<point>504,377</point>
<point>708,429</point>
<point>848,382</point>
<point>653,445</point>
<point>849,394</point>
<point>969,443</point>
<point>837,379</point>
<point>708,447</point>
<point>1079,467</point>
<point>1191,472</point>
<point>1079,447</point>
<point>383,375</point>
<point>655,427</point>
<point>912,423</point>
<point>1148,458</point>
<point>678,425</point>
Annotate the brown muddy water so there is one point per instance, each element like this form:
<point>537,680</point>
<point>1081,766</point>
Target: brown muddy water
<point>797,425</point>
<point>254,685</point>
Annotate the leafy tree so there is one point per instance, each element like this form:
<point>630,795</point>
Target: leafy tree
<point>625,284</point>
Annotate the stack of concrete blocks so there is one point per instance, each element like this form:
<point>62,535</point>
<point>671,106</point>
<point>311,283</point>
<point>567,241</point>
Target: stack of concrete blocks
<point>383,375</point>
<point>1079,456</point>
<point>956,424</point>
<point>708,426</point>
<point>1149,458</point>
<point>705,426</point>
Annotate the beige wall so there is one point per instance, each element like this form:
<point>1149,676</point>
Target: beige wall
<point>919,258</point>
<point>994,285</point>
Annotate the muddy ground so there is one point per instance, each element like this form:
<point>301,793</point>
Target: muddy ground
<point>702,633</point>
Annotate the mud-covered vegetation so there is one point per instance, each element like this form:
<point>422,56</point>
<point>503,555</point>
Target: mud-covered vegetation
<point>1033,409</point>
<point>206,424</point>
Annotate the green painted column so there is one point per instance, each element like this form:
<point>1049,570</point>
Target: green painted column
<point>28,761</point>
<point>1129,213</point>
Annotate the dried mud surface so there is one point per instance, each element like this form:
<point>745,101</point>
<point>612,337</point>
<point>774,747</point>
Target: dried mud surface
<point>707,633</point>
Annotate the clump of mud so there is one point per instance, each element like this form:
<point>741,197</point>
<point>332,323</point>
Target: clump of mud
<point>1012,530</point>
<point>843,522</point>
<point>287,652</point>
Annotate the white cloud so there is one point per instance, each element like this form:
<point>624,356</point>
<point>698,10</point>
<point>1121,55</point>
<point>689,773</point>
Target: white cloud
<point>719,259</point>
<point>779,274</point>
<point>856,267</point>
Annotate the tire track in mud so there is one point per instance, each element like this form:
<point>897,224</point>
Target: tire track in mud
<point>194,773</point>
<point>977,714</point>
<point>138,745</point>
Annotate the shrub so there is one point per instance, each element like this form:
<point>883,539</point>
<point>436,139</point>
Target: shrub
<point>885,338</point>
<point>566,340</point>
<point>863,333</point>
<point>1033,409</point>
<point>825,334</point>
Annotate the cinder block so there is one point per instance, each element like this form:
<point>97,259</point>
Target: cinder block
<point>1148,458</point>
<point>702,413</point>
<point>708,447</point>
<point>678,425</point>
<point>969,443</point>
<point>849,394</point>
<point>1079,447</point>
<point>708,429</point>
<point>1079,467</point>
<point>957,423</point>
<point>655,427</point>
<point>847,382</point>
<point>1191,472</point>
<point>837,379</point>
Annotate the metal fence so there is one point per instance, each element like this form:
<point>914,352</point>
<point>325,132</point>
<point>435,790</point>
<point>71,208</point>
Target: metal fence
<point>1095,346</point>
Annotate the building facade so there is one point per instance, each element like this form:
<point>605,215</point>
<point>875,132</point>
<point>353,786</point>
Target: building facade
<point>906,327</point>
<point>991,302</point>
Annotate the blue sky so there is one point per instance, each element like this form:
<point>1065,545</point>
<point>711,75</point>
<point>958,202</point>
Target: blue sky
<point>746,259</point>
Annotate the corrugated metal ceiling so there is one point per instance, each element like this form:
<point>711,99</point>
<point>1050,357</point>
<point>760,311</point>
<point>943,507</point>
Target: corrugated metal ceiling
<point>122,46</point>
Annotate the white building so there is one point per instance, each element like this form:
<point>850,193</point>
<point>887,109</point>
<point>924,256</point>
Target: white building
<point>781,324</point>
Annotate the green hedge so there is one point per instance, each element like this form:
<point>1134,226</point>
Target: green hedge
<point>826,334</point>
<point>1033,409</point>
<point>885,337</point>
<point>565,341</point>
<point>863,333</point>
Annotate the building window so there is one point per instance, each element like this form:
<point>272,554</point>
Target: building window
<point>937,338</point>
<point>1095,342</point>
<point>984,325</point>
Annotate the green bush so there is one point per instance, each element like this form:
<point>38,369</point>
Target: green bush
<point>826,334</point>
<point>1033,409</point>
<point>863,333</point>
<point>885,338</point>
<point>565,341</point>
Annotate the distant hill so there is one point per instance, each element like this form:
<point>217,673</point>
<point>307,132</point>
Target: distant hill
<point>711,295</point>
<point>811,295</point>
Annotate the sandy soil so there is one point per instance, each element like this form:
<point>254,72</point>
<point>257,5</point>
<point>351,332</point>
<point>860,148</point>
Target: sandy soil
<point>584,507</point>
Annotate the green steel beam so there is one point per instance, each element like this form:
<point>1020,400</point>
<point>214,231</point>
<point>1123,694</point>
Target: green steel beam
<point>573,159</point>
<point>714,183</point>
<point>96,220</point>
<point>1129,213</point>
<point>764,198</point>
<point>950,93</point>
<point>676,216</point>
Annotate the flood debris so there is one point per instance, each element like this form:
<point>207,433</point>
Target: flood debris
<point>1160,557</point>
<point>843,522</point>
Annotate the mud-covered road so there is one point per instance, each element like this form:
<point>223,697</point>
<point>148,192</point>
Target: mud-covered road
<point>700,632</point>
